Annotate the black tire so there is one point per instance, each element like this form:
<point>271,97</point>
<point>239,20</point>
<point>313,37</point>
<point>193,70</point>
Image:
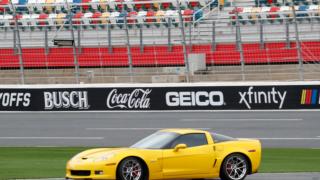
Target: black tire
<point>234,167</point>
<point>131,168</point>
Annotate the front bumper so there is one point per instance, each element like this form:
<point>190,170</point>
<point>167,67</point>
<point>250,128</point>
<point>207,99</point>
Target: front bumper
<point>76,170</point>
<point>92,175</point>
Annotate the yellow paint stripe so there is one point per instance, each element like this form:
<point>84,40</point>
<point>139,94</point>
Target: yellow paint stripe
<point>303,96</point>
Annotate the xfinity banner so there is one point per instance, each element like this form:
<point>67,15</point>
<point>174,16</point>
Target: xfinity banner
<point>162,98</point>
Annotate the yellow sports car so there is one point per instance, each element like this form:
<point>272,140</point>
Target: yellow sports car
<point>171,154</point>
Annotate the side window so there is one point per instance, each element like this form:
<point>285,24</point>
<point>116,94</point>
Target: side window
<point>217,138</point>
<point>191,140</point>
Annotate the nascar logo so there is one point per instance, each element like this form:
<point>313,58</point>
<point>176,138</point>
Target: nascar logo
<point>310,96</point>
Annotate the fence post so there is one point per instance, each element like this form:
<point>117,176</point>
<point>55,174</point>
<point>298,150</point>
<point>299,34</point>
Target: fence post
<point>109,38</point>
<point>190,36</point>
<point>213,40</point>
<point>128,48</point>
<point>261,35</point>
<point>14,41</point>
<point>18,43</point>
<point>74,51</point>
<point>237,32</point>
<point>79,40</point>
<point>287,33</point>
<point>46,40</point>
<point>239,46</point>
<point>169,34</point>
<point>141,39</point>
<point>298,45</point>
<point>184,45</point>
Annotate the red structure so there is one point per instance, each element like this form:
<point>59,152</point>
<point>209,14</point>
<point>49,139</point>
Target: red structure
<point>225,54</point>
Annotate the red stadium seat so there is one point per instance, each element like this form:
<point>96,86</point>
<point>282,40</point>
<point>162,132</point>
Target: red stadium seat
<point>3,2</point>
<point>150,16</point>
<point>132,17</point>
<point>235,11</point>
<point>194,4</point>
<point>146,4</point>
<point>166,5</point>
<point>188,15</point>
<point>95,18</point>
<point>43,19</point>
<point>77,18</point>
<point>119,4</point>
<point>87,6</point>
<point>273,11</point>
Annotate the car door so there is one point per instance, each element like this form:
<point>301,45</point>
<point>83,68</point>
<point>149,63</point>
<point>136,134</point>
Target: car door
<point>196,158</point>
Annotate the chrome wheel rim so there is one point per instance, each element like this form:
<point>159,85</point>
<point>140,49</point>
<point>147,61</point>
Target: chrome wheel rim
<point>131,170</point>
<point>236,167</point>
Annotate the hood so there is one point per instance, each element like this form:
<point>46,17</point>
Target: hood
<point>106,152</point>
<point>98,154</point>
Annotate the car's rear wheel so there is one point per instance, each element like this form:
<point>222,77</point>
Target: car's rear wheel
<point>131,169</point>
<point>234,167</point>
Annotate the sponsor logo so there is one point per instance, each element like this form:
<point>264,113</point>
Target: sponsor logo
<point>310,96</point>
<point>14,99</point>
<point>195,98</point>
<point>66,99</point>
<point>136,99</point>
<point>250,97</point>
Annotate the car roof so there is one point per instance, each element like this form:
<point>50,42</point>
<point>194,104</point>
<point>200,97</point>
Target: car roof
<point>183,130</point>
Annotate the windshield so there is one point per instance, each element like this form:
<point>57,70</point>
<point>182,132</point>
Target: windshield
<point>158,140</point>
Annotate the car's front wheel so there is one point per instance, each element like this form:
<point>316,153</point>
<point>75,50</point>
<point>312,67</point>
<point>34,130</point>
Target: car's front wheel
<point>234,167</point>
<point>131,169</point>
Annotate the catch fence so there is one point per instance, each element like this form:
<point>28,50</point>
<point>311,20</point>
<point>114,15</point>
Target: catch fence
<point>77,43</point>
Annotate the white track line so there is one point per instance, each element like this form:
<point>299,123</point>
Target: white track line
<point>196,120</point>
<point>55,138</point>
<point>135,129</point>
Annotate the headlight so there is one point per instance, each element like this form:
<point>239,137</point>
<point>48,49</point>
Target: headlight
<point>103,158</point>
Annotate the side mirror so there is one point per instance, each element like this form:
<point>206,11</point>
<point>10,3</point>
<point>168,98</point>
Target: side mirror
<point>179,146</point>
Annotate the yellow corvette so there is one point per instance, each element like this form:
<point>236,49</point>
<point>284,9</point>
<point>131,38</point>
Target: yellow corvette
<point>171,154</point>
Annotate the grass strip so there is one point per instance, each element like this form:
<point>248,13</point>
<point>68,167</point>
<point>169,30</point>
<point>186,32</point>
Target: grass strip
<point>290,160</point>
<point>46,162</point>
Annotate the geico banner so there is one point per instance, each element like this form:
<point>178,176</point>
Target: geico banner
<point>161,98</point>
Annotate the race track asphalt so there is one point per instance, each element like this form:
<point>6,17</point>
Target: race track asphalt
<point>274,128</point>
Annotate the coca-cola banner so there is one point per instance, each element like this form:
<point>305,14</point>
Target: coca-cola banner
<point>194,97</point>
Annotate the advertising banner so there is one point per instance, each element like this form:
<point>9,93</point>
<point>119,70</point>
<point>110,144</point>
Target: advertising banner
<point>161,98</point>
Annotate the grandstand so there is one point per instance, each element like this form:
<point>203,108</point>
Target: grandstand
<point>149,41</point>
